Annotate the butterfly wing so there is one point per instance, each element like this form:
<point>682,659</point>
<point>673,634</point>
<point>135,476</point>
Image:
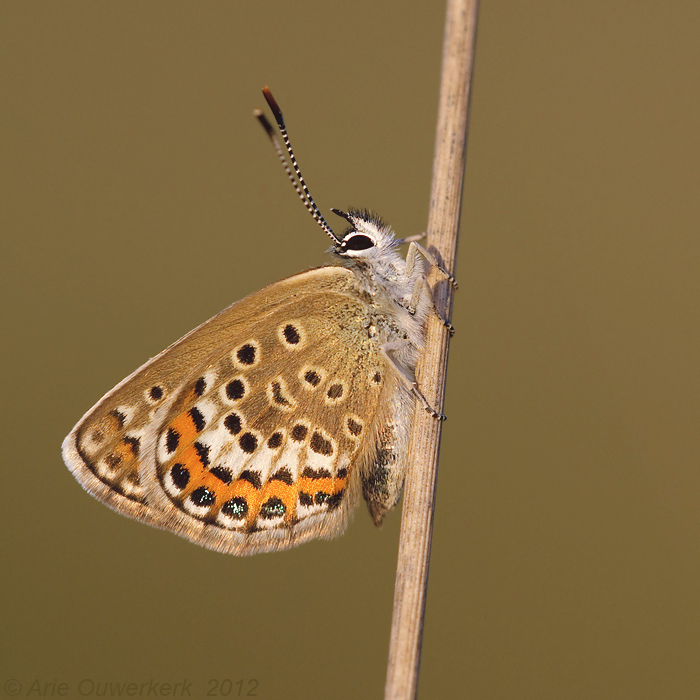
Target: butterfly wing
<point>251,432</point>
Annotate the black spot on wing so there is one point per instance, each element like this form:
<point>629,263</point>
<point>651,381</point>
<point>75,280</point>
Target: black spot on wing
<point>354,427</point>
<point>283,475</point>
<point>180,476</point>
<point>202,453</point>
<point>235,390</point>
<point>133,443</point>
<point>335,500</point>
<point>248,442</point>
<point>197,418</point>
<point>121,418</point>
<point>236,508</point>
<point>321,445</point>
<point>272,508</point>
<point>222,474</point>
<point>312,378</point>
<point>233,423</point>
<point>310,473</point>
<point>274,441</point>
<point>277,396</point>
<point>335,391</point>
<point>246,354</point>
<point>291,334</point>
<point>172,440</point>
<point>251,477</point>
<point>202,496</point>
<point>299,432</point>
<point>113,460</point>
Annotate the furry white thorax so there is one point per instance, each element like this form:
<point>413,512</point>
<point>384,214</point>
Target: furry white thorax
<point>384,277</point>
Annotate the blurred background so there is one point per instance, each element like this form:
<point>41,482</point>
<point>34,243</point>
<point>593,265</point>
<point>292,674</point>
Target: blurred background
<point>139,197</point>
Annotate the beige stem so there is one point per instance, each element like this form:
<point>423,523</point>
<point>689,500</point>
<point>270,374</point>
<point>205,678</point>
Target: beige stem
<point>443,224</point>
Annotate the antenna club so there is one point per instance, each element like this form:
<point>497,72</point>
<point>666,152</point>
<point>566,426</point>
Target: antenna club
<point>265,123</point>
<point>272,102</point>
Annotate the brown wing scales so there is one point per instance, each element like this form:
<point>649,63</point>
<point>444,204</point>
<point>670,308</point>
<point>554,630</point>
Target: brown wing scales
<point>246,434</point>
<point>276,448</point>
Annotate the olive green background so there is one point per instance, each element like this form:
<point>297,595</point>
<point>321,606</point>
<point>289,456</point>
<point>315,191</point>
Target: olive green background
<point>139,197</point>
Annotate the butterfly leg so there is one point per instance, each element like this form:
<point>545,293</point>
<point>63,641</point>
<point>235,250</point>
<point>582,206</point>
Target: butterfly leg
<point>406,378</point>
<point>410,239</point>
<point>414,250</point>
<point>421,287</point>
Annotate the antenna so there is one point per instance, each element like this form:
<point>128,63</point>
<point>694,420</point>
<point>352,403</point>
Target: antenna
<point>299,183</point>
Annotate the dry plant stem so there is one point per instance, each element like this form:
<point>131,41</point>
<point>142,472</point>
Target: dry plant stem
<point>443,224</point>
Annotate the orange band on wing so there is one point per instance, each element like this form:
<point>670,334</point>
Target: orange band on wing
<point>185,427</point>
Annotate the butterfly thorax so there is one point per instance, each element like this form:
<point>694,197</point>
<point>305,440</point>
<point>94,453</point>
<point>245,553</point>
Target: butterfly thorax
<point>382,279</point>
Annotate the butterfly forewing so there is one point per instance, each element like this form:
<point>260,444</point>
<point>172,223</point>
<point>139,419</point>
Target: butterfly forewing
<point>250,433</point>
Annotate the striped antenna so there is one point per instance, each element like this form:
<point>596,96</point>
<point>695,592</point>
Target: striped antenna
<point>299,183</point>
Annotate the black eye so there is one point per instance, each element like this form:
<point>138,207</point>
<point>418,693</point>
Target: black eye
<point>357,242</point>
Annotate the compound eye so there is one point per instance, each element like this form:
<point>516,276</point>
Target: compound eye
<point>357,242</point>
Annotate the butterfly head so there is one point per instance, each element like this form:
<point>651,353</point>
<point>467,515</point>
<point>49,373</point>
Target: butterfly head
<point>366,237</point>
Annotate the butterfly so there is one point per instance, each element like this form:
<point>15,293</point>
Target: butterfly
<point>259,429</point>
